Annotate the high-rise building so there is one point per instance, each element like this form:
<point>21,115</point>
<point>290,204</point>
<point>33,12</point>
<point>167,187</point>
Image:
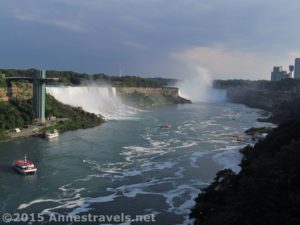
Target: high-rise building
<point>297,68</point>
<point>278,74</point>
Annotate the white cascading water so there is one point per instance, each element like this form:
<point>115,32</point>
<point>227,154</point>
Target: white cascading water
<point>99,100</point>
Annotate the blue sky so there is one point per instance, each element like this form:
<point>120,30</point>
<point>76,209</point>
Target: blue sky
<point>227,39</point>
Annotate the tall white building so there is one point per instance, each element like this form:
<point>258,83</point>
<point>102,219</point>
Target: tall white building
<point>297,68</point>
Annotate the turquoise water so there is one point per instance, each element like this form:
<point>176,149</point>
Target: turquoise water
<point>128,166</point>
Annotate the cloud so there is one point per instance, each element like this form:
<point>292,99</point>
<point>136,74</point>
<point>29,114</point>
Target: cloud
<point>142,36</point>
<point>228,63</point>
<point>43,19</point>
<point>135,45</point>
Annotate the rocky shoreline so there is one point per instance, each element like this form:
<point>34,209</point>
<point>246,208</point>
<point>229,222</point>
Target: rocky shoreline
<point>267,189</point>
<point>264,191</point>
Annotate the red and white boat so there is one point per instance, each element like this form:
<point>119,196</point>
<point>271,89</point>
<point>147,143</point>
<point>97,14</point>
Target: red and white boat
<point>166,124</point>
<point>24,166</point>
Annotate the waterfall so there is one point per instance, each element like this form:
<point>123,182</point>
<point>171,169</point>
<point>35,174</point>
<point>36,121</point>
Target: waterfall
<point>99,100</point>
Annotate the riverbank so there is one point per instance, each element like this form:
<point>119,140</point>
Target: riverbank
<point>17,115</point>
<point>266,189</point>
<point>34,130</point>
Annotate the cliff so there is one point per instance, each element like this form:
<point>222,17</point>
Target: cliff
<point>3,95</point>
<point>263,99</point>
<point>284,105</point>
<point>281,98</point>
<point>22,91</point>
<point>149,96</point>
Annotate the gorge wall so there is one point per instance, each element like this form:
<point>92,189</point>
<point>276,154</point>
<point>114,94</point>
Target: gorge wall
<point>20,91</point>
<point>284,105</point>
<point>146,96</point>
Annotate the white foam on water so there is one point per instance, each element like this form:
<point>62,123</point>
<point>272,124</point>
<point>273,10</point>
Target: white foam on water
<point>37,201</point>
<point>147,167</point>
<point>186,144</point>
<point>83,205</point>
<point>78,204</point>
<point>196,156</point>
<point>131,173</point>
<point>132,153</point>
<point>151,158</point>
<point>133,190</point>
<point>67,189</point>
<point>229,159</point>
<point>178,192</point>
<point>207,123</point>
<point>230,148</point>
<point>179,173</point>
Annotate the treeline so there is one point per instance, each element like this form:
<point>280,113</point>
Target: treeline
<point>2,82</point>
<point>15,113</point>
<point>267,189</point>
<point>285,85</point>
<point>77,79</point>
<point>133,81</point>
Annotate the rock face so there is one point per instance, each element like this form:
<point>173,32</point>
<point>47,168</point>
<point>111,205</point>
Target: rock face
<point>264,99</point>
<point>22,92</point>
<point>3,94</point>
<point>284,105</point>
<point>146,96</point>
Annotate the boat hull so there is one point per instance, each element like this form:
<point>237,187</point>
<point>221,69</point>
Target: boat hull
<point>51,136</point>
<point>25,171</point>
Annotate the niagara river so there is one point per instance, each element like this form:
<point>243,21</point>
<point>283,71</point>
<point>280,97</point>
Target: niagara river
<point>131,165</point>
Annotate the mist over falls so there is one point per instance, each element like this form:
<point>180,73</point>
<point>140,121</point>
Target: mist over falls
<point>99,100</point>
<point>197,87</point>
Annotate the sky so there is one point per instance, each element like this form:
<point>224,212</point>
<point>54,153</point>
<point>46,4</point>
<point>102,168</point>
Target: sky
<point>170,38</point>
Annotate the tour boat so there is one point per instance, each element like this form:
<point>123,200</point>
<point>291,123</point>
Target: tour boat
<point>50,135</point>
<point>166,125</point>
<point>24,166</point>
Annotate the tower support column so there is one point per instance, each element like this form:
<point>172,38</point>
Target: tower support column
<point>39,90</point>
